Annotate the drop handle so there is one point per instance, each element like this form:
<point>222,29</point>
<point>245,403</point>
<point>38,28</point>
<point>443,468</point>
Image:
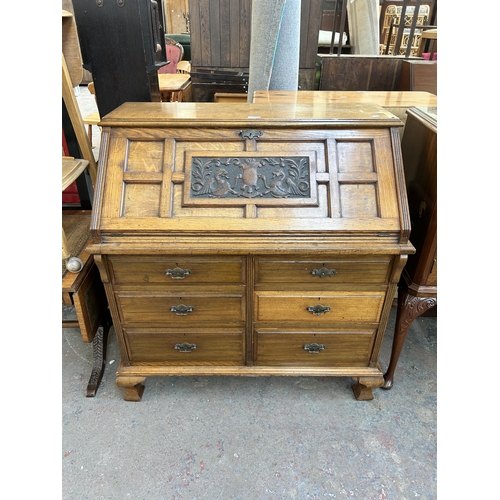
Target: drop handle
<point>313,348</point>
<point>185,347</point>
<point>182,310</point>
<point>318,310</point>
<point>177,273</point>
<point>324,272</point>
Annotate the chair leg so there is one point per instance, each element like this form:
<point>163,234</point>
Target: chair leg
<point>99,345</point>
<point>90,135</point>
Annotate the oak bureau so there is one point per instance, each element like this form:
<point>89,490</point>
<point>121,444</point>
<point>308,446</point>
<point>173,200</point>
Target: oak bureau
<point>250,239</point>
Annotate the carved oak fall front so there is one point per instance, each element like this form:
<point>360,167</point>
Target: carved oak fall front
<point>248,239</point>
<point>250,177</point>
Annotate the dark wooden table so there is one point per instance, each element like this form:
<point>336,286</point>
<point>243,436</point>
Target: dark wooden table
<point>417,290</point>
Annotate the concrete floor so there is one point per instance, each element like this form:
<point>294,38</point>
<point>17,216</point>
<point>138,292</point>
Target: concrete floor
<point>247,438</point>
<point>243,438</point>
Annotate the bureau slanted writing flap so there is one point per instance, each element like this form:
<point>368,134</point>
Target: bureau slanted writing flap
<point>307,176</point>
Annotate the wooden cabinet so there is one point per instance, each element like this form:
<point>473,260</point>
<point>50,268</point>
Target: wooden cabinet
<point>250,239</point>
<point>220,45</point>
<point>418,287</point>
<point>176,14</point>
<point>123,47</point>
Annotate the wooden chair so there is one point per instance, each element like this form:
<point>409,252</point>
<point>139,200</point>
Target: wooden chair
<point>175,54</point>
<point>93,119</point>
<point>408,41</point>
<point>184,67</point>
<point>81,283</point>
<point>71,170</point>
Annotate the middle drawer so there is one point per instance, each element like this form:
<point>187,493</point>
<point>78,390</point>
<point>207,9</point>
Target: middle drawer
<point>319,307</point>
<point>181,309</point>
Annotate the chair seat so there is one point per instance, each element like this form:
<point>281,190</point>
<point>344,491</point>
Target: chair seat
<point>71,170</point>
<point>92,119</point>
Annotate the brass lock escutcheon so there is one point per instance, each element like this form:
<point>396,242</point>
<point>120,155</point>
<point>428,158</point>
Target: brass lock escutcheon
<point>318,310</point>
<point>182,310</point>
<point>185,347</point>
<point>313,348</point>
<point>250,134</point>
<point>177,273</point>
<point>323,272</point>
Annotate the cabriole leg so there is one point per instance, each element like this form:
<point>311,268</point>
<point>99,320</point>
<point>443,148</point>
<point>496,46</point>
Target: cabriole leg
<point>409,308</point>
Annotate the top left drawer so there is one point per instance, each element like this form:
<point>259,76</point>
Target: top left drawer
<point>176,270</point>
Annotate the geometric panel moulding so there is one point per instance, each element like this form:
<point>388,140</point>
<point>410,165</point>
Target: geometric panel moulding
<point>144,156</point>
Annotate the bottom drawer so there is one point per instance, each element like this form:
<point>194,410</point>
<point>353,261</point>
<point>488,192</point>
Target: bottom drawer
<point>209,346</point>
<point>321,348</point>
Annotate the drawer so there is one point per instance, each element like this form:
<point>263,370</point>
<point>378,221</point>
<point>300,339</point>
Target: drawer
<point>200,346</point>
<point>180,310</point>
<point>176,270</point>
<point>321,348</point>
<point>324,272</point>
<point>319,307</point>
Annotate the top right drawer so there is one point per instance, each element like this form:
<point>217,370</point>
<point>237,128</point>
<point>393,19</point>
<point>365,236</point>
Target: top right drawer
<point>359,269</point>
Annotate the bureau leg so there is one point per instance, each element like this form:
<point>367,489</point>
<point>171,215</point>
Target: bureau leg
<point>133,387</point>
<point>363,389</point>
<point>99,345</point>
<point>409,308</point>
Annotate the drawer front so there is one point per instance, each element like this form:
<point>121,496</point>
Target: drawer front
<point>324,272</point>
<point>319,307</point>
<point>200,346</point>
<point>325,348</point>
<point>181,310</point>
<point>177,270</point>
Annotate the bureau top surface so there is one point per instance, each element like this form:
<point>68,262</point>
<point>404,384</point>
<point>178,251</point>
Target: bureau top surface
<point>209,114</point>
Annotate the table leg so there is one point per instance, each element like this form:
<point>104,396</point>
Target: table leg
<point>99,345</point>
<point>409,308</point>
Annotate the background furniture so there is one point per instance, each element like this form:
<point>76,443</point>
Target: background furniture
<point>93,119</point>
<point>71,169</point>
<point>220,42</point>
<point>175,54</point>
<point>403,36</point>
<point>429,37</point>
<point>79,194</point>
<point>83,289</point>
<point>85,292</point>
<point>173,86</point>
<point>185,40</point>
<point>395,102</point>
<point>233,257</point>
<point>358,72</point>
<point>176,15</point>
<point>418,75</point>
<point>123,46</point>
<point>417,291</point>
<point>335,22</point>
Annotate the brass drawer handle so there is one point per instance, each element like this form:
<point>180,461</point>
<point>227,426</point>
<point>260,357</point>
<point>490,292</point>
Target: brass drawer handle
<point>323,272</point>
<point>182,310</point>
<point>177,273</point>
<point>313,348</point>
<point>318,310</point>
<point>185,347</point>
